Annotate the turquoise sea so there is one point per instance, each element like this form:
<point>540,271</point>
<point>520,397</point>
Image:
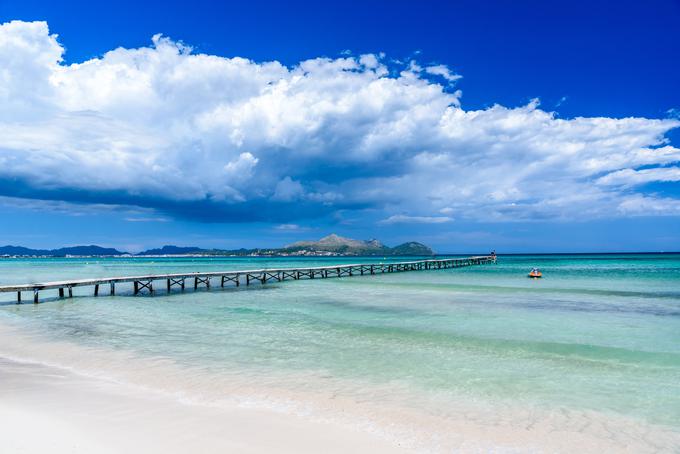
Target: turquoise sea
<point>598,335</point>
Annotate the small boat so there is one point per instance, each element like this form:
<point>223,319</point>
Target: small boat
<point>535,273</point>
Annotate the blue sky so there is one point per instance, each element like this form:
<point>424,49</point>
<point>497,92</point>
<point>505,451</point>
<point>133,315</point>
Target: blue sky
<point>519,126</point>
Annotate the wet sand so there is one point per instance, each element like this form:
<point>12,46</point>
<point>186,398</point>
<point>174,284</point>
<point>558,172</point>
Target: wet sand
<point>47,409</point>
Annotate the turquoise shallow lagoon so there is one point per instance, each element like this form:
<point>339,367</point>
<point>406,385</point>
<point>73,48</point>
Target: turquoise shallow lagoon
<point>599,333</point>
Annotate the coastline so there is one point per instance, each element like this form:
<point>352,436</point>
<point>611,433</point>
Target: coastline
<point>98,405</point>
<point>47,409</point>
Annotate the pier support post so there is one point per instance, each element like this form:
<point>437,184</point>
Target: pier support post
<point>198,280</point>
<point>139,285</point>
<point>61,292</point>
<point>19,297</point>
<point>172,281</point>
<point>70,292</point>
<point>113,288</point>
<point>96,290</point>
<point>35,296</point>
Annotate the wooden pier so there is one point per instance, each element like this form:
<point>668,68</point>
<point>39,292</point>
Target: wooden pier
<point>238,277</point>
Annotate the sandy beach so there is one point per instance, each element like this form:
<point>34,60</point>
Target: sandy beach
<point>50,409</point>
<point>47,409</point>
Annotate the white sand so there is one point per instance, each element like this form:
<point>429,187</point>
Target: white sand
<point>115,402</point>
<point>45,409</point>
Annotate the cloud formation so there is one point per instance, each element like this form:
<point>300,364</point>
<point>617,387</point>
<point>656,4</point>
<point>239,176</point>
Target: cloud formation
<point>404,219</point>
<point>229,139</point>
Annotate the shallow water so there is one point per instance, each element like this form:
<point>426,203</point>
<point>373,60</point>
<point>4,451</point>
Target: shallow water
<point>598,333</point>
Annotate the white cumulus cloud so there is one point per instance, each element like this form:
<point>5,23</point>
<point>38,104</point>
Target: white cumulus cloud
<point>443,71</point>
<point>163,127</point>
<point>632,177</point>
<point>404,219</point>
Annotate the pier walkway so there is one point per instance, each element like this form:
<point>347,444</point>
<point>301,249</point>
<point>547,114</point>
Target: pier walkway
<point>238,277</point>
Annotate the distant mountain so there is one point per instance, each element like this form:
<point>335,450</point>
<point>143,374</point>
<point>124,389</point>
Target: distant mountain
<point>173,250</point>
<point>86,250</point>
<point>330,245</point>
<point>20,250</point>
<point>412,248</point>
<point>61,252</point>
<point>336,243</point>
<point>348,246</point>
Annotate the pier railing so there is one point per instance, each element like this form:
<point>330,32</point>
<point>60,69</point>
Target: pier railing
<point>239,277</point>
